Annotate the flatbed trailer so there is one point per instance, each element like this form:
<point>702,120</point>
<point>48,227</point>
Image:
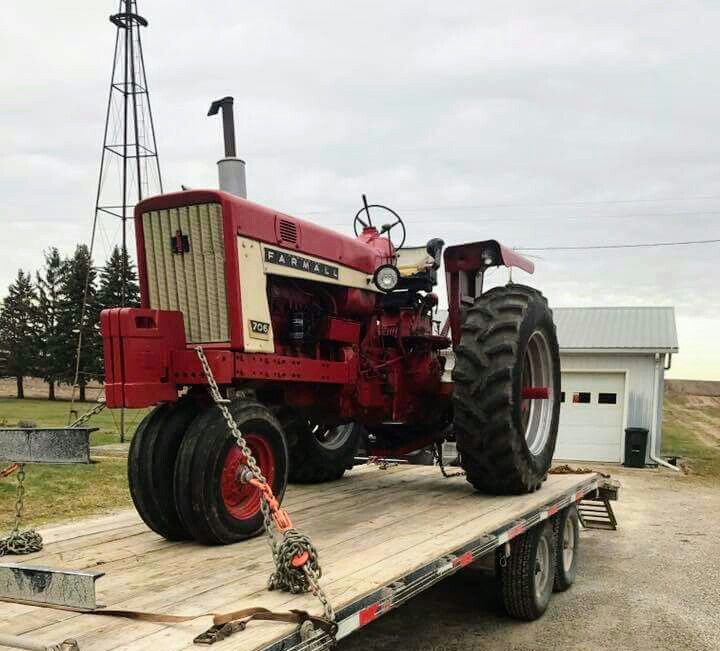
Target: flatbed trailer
<point>383,536</point>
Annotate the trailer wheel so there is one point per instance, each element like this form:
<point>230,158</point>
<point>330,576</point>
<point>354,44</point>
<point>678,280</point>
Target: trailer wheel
<point>214,505</point>
<point>526,578</point>
<point>318,453</point>
<point>567,538</point>
<point>151,463</point>
<point>506,397</point>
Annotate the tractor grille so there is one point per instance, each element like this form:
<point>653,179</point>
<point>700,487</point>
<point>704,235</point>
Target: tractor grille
<point>186,268</point>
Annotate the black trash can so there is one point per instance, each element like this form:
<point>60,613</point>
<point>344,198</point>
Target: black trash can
<point>636,439</point>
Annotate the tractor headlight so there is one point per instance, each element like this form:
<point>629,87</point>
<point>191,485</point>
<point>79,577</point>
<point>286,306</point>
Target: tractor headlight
<point>386,278</point>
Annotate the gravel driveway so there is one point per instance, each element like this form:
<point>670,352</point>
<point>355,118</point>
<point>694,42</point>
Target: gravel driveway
<point>654,584</point>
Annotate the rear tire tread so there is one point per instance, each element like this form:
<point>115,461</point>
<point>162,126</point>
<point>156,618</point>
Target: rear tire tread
<point>490,446</point>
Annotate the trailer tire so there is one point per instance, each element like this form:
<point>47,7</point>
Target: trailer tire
<point>526,578</point>
<point>311,460</point>
<point>151,465</point>
<point>214,506</point>
<point>508,341</point>
<point>567,537</point>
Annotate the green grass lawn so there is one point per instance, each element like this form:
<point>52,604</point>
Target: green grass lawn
<point>66,492</point>
<point>683,437</point>
<point>55,414</point>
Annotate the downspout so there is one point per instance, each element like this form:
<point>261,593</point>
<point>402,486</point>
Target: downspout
<point>655,423</point>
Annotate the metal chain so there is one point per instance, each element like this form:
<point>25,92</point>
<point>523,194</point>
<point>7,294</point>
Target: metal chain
<point>20,542</point>
<point>88,415</point>
<point>286,576</point>
<point>30,541</point>
<point>438,454</point>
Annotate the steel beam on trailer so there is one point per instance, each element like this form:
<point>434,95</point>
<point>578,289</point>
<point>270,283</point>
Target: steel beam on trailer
<point>44,586</point>
<point>55,445</point>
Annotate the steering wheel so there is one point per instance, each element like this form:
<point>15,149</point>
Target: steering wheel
<point>359,224</point>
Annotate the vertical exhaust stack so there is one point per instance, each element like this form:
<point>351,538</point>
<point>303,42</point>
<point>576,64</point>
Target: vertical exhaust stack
<point>231,170</point>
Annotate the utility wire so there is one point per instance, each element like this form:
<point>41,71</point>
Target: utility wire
<point>614,246</point>
<point>525,205</point>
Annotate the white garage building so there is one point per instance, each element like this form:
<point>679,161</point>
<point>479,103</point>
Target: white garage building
<point>613,361</point>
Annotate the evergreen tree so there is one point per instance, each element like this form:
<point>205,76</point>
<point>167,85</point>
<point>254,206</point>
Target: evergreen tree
<point>75,272</point>
<point>19,331</point>
<point>110,290</point>
<point>52,341</point>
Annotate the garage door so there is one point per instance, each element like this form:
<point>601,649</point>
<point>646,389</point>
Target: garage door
<point>591,416</point>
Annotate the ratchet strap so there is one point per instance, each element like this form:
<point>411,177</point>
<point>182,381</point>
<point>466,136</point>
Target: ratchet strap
<point>224,624</point>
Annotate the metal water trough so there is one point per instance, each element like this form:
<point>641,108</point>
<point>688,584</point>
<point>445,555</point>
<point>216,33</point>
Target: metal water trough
<point>54,445</point>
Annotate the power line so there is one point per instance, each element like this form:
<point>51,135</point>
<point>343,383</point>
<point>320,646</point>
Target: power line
<point>527,204</point>
<point>615,246</point>
<point>544,218</point>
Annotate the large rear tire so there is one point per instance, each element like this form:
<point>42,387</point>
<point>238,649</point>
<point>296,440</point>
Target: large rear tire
<point>151,463</point>
<point>318,453</point>
<point>508,342</point>
<point>214,505</point>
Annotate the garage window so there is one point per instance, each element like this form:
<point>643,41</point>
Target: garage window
<point>581,397</point>
<point>607,398</point>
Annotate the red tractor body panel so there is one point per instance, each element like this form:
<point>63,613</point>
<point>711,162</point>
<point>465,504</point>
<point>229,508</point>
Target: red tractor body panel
<point>343,350</point>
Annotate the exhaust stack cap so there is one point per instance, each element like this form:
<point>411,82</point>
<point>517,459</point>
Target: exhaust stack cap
<point>231,170</point>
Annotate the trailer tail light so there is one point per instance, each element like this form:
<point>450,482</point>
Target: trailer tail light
<point>138,346</point>
<point>185,268</point>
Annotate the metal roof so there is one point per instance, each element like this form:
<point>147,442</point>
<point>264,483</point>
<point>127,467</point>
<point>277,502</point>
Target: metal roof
<point>616,329</point>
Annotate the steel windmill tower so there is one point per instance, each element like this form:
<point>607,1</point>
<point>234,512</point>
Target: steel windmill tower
<point>129,163</point>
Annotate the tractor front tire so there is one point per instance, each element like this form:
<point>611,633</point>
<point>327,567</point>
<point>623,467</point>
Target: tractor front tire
<point>507,343</point>
<point>318,453</point>
<point>215,506</point>
<point>151,464</point>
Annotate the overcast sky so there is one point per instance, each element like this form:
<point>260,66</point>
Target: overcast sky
<point>539,123</point>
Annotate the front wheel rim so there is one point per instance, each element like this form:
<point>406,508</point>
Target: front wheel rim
<point>538,371</point>
<point>242,501</point>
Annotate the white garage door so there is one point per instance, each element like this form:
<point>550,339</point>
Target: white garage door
<point>591,417</point>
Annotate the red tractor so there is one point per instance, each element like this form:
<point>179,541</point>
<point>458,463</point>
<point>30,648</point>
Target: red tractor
<point>314,338</point>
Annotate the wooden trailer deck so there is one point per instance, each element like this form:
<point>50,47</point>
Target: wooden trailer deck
<point>371,528</point>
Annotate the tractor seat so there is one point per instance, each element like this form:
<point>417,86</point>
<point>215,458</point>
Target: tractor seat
<point>418,265</point>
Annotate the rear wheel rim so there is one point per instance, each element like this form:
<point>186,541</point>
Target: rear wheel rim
<point>242,501</point>
<point>542,568</point>
<point>538,371</point>
<point>332,438</point>
<point>568,545</point>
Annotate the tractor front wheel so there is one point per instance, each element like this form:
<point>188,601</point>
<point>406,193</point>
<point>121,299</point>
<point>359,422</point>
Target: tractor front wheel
<point>151,462</point>
<point>214,504</point>
<point>506,397</point>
